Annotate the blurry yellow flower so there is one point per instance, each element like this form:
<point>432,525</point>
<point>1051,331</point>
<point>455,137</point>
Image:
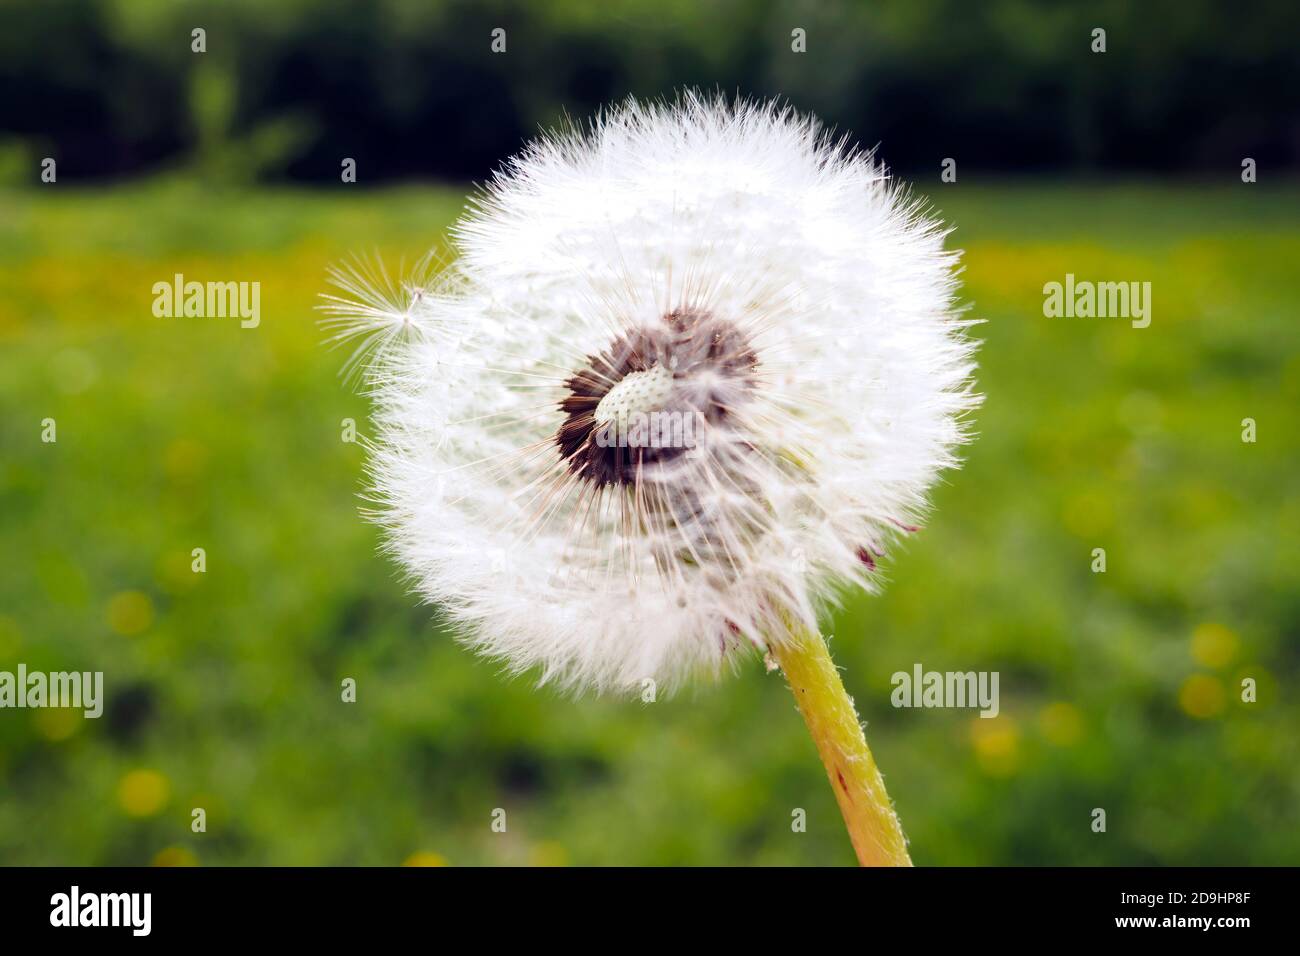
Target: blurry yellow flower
<point>1202,696</point>
<point>175,856</point>
<point>997,745</point>
<point>1213,645</point>
<point>57,723</point>
<point>1061,723</point>
<point>548,853</point>
<point>130,612</point>
<point>425,858</point>
<point>142,793</point>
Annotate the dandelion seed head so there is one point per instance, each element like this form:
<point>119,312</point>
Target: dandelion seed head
<point>693,369</point>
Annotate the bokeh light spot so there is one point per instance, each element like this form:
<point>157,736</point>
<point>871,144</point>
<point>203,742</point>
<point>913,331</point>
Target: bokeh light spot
<point>130,612</point>
<point>1201,696</point>
<point>1214,645</point>
<point>57,723</point>
<point>175,856</point>
<point>997,745</point>
<point>142,793</point>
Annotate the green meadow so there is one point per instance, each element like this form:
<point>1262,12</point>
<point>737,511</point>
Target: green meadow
<point>1120,690</point>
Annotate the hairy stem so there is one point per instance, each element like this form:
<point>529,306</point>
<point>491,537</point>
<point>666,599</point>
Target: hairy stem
<point>833,723</point>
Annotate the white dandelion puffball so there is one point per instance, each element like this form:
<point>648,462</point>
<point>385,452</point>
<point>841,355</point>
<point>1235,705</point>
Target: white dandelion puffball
<point>690,372</point>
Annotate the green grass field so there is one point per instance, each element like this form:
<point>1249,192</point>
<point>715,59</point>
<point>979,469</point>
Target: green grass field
<point>1120,690</point>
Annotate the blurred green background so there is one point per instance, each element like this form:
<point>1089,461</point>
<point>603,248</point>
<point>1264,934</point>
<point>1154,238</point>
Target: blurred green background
<point>1119,690</point>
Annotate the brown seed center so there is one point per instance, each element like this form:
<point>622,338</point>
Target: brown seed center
<point>652,395</point>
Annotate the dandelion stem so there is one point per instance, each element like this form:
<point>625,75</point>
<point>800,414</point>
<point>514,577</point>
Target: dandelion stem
<point>833,723</point>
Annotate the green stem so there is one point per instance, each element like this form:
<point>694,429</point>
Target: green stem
<point>833,723</point>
